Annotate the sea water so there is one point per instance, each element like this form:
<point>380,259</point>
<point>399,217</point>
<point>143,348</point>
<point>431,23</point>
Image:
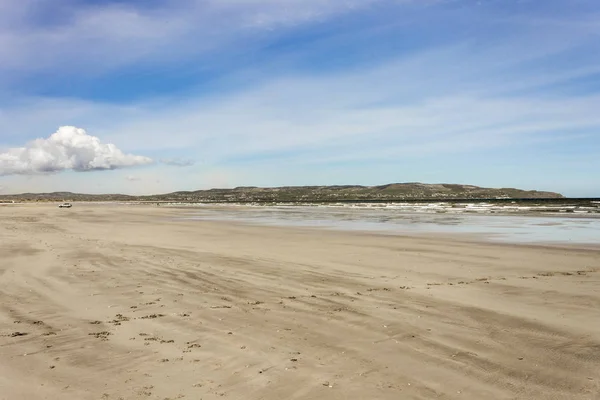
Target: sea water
<point>472,220</point>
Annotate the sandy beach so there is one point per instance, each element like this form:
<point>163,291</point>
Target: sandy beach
<point>125,302</point>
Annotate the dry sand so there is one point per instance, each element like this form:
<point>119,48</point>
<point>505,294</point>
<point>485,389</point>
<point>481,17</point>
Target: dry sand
<point>116,302</point>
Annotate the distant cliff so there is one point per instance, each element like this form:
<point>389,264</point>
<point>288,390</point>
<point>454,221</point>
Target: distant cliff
<point>391,192</point>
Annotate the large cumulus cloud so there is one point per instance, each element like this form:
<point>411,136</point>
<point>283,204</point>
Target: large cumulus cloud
<point>69,148</point>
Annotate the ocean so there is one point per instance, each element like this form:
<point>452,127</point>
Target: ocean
<point>500,222</point>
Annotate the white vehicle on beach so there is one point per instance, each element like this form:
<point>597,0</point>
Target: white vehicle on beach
<point>65,205</point>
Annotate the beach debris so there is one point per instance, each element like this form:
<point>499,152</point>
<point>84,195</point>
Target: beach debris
<point>152,316</point>
<point>118,319</point>
<point>264,370</point>
<point>100,335</point>
<point>146,391</point>
<point>16,334</point>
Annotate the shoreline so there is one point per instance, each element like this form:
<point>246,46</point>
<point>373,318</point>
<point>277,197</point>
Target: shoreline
<point>367,205</point>
<point>496,228</point>
<point>365,227</point>
<point>464,238</point>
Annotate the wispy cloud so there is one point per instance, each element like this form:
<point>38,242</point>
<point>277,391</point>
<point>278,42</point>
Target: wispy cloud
<point>413,106</point>
<point>177,162</point>
<point>92,38</point>
<point>70,148</point>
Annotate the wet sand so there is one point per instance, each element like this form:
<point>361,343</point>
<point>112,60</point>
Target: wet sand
<point>110,302</point>
<point>582,230</point>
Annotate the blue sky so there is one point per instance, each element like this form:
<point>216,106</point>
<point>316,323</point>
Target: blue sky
<point>203,93</point>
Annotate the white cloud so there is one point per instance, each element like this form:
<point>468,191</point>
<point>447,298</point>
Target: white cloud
<point>69,148</point>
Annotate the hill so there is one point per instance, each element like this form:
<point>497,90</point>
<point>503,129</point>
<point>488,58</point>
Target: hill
<point>390,192</point>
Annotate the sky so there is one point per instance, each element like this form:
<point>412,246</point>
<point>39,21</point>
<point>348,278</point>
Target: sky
<point>155,96</point>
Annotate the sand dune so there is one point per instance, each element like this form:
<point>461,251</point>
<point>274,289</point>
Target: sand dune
<point>116,302</point>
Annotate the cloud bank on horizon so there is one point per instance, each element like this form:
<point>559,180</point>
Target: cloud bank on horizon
<point>268,93</point>
<point>69,148</point>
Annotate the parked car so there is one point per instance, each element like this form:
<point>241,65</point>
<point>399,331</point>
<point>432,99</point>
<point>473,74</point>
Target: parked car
<point>65,205</point>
